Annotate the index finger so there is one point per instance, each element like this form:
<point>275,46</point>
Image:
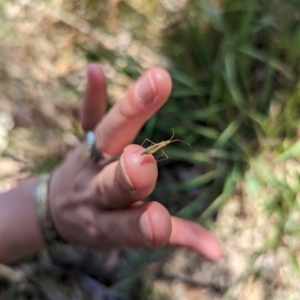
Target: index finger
<point>120,125</point>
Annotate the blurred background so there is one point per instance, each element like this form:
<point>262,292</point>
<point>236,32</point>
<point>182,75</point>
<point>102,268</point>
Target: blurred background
<point>235,68</point>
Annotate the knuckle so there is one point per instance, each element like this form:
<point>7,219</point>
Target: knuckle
<point>92,231</point>
<point>87,219</point>
<point>125,111</point>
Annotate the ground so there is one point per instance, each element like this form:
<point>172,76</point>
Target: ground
<point>44,52</point>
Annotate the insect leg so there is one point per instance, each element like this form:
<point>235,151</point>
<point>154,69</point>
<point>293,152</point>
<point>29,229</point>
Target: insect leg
<point>145,140</point>
<point>163,153</point>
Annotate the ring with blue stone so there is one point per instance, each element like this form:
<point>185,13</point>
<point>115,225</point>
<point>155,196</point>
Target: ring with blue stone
<point>93,153</point>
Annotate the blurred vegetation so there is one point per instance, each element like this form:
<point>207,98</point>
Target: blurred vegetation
<point>235,67</point>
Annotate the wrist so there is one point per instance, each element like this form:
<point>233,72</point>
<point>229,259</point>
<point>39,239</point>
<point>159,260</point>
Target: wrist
<point>43,214</point>
<point>20,234</point>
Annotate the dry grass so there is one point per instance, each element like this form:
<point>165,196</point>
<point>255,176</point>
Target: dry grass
<point>45,47</point>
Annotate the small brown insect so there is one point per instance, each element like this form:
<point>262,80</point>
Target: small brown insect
<point>159,146</point>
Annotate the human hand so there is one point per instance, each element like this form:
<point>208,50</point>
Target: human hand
<point>100,205</point>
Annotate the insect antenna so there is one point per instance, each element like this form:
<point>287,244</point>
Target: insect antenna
<point>177,140</point>
<point>173,133</point>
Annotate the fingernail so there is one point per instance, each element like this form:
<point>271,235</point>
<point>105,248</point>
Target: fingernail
<point>123,178</point>
<point>145,89</point>
<point>144,227</point>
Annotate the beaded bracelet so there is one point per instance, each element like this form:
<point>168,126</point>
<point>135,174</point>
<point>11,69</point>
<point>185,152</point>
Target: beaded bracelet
<point>49,233</point>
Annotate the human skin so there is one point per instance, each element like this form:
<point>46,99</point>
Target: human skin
<point>101,205</point>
